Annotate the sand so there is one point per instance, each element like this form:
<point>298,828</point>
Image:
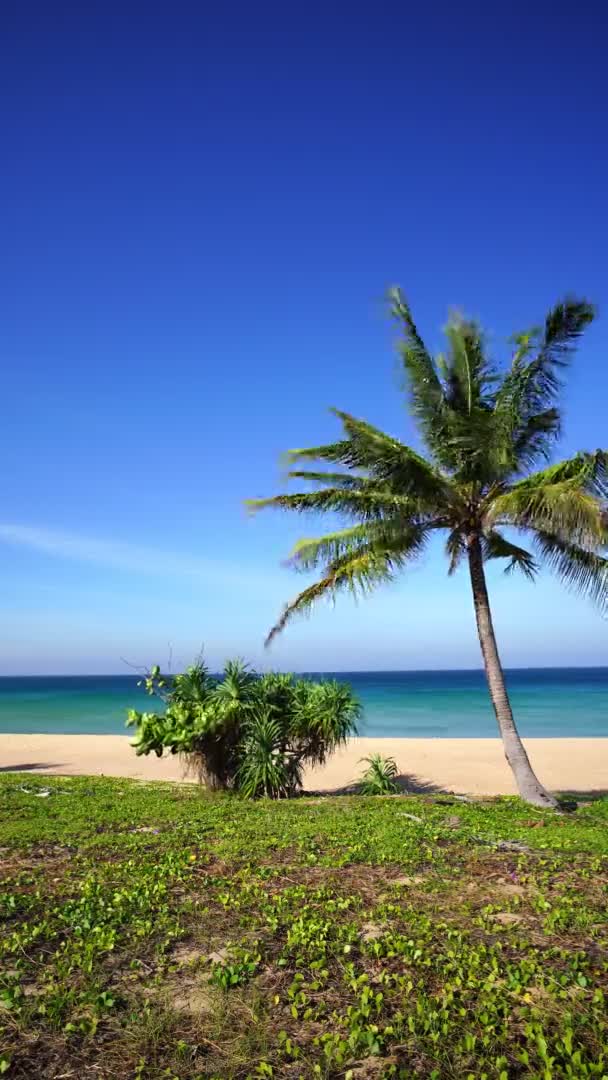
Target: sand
<point>467,766</point>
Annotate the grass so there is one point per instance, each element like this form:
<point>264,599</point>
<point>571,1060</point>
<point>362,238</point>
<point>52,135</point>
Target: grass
<point>152,932</point>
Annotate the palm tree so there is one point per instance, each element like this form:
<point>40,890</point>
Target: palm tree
<point>486,431</point>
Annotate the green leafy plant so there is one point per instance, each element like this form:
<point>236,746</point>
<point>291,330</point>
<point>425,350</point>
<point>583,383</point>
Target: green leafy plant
<point>489,434</point>
<point>253,733</point>
<point>242,968</point>
<point>265,768</point>
<point>380,776</point>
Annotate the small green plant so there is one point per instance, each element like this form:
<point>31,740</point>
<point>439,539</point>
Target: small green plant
<point>380,777</point>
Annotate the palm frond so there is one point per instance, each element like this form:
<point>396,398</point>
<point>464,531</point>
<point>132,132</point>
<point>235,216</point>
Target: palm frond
<point>564,325</point>
<point>381,536</point>
<point>496,546</point>
<point>455,549</point>
<point>456,417</point>
<point>382,457</point>
<point>414,350</point>
<point>526,404</point>
<point>310,552</point>
<point>476,455</point>
<point>589,469</point>
<point>525,430</point>
<point>565,499</point>
<point>358,571</point>
<point>327,586</point>
<point>337,453</point>
<point>582,570</point>
<point>533,438</point>
<point>364,504</point>
<point>565,509</point>
<point>426,392</point>
<point>468,374</point>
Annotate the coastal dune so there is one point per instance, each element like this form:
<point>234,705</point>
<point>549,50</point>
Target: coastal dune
<point>466,766</point>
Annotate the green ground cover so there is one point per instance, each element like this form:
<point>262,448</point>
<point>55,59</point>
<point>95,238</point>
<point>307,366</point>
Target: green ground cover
<point>150,931</point>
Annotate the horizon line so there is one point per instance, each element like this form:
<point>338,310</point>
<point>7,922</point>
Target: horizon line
<point>320,671</point>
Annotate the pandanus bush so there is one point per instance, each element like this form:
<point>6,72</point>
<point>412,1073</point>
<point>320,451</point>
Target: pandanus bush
<point>380,777</point>
<point>243,731</point>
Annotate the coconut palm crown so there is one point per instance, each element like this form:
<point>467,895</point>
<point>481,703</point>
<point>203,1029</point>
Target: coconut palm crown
<point>487,477</point>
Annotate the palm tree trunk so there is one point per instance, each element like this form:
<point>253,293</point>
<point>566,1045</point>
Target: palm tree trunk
<point>529,786</point>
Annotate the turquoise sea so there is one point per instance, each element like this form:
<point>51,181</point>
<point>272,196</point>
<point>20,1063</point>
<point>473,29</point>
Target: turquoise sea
<point>548,702</point>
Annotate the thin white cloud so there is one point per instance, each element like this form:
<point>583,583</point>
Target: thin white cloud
<point>132,558</point>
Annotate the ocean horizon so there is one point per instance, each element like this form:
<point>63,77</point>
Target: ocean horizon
<point>547,702</point>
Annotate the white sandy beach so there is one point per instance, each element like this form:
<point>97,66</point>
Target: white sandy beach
<point>473,766</point>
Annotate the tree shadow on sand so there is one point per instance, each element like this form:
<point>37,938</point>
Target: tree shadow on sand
<point>31,766</point>
<point>584,796</point>
<point>407,783</point>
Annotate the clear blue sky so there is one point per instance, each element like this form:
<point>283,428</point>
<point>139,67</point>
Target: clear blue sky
<point>202,206</point>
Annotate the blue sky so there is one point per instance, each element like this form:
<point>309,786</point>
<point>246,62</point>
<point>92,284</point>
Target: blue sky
<point>202,208</point>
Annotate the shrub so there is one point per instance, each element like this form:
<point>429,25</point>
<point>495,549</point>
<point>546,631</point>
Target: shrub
<point>265,769</point>
<point>380,776</point>
<point>249,732</point>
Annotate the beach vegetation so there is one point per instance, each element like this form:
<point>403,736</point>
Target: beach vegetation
<point>152,933</point>
<point>380,776</point>
<point>244,731</point>
<point>487,481</point>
